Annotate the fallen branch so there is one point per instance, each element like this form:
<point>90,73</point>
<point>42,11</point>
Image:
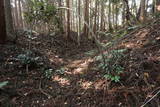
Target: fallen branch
<point>43,92</point>
<point>150,99</point>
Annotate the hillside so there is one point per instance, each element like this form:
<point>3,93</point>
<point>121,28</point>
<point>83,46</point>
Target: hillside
<point>63,75</point>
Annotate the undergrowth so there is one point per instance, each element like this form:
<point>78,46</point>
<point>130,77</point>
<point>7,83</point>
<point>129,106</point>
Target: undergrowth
<point>112,67</point>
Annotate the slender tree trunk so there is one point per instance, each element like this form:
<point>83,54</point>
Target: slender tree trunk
<point>68,19</point>
<point>3,33</point>
<point>61,16</point>
<point>113,15</point>
<point>86,17</point>
<point>71,15</point>
<point>95,17</point>
<point>91,18</point>
<point>79,20</point>
<point>124,14</point>
<point>20,14</point>
<point>98,15</point>
<point>16,15</point>
<point>127,14</point>
<point>109,17</point>
<point>153,7</point>
<point>102,16</point>
<point>142,10</point>
<point>116,8</point>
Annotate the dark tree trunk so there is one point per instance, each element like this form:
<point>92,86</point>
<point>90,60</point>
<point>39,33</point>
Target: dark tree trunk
<point>68,19</point>
<point>127,12</point>
<point>3,33</point>
<point>86,17</point>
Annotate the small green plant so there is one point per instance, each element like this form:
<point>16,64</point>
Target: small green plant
<point>112,66</point>
<point>2,84</point>
<point>27,59</point>
<point>60,71</point>
<point>48,73</point>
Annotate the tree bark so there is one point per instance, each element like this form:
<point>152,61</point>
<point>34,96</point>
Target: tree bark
<point>11,36</point>
<point>109,17</point>
<point>16,15</point>
<point>95,17</point>
<point>102,15</point>
<point>68,19</point>
<point>61,16</point>
<point>128,13</point>
<point>20,14</point>
<point>86,17</point>
<point>3,33</point>
<point>142,10</point>
<point>79,21</point>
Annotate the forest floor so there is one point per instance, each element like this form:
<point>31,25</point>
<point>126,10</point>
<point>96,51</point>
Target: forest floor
<point>64,75</point>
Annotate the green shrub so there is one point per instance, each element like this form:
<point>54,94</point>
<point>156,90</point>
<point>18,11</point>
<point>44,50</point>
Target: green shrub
<point>112,66</point>
<point>48,73</point>
<point>28,59</point>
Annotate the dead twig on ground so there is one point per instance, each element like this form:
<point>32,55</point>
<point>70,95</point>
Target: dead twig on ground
<point>43,92</point>
<point>150,99</point>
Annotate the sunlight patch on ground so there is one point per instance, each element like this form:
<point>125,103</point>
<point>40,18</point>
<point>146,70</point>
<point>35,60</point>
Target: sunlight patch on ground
<point>129,45</point>
<point>61,81</point>
<point>143,34</point>
<point>75,63</point>
<point>79,66</point>
<point>100,84</point>
<point>138,40</point>
<point>86,84</point>
<point>54,58</point>
<point>79,71</point>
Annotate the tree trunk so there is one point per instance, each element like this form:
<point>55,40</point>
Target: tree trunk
<point>116,8</point>
<point>128,14</point>
<point>11,36</point>
<point>16,15</point>
<point>68,19</point>
<point>61,16</point>
<point>86,17</point>
<point>113,15</point>
<point>79,21</point>
<point>109,17</point>
<point>142,10</point>
<point>3,33</point>
<point>95,17</point>
<point>102,15</point>
<point>20,14</point>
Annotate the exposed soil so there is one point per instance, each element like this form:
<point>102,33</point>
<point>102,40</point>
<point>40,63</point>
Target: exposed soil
<point>80,83</point>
